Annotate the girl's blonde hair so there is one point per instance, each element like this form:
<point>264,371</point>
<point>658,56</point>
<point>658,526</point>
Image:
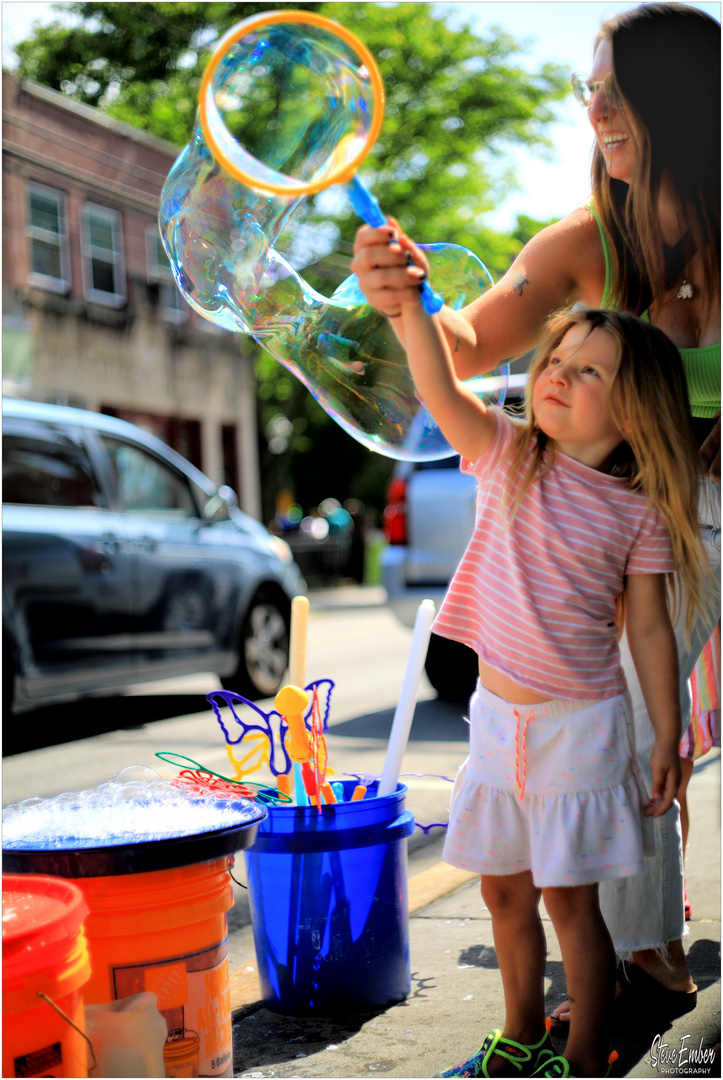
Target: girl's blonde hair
<point>657,452</point>
<point>666,68</point>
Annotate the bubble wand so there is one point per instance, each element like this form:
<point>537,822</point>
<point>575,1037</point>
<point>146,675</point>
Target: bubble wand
<point>297,676</point>
<point>291,103</point>
<point>404,712</point>
<point>248,726</point>
<point>350,151</point>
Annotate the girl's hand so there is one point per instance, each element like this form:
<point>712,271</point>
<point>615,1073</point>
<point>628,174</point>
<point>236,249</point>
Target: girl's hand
<point>710,453</point>
<point>665,766</point>
<point>389,267</point>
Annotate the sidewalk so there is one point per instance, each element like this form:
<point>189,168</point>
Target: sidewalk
<point>456,991</point>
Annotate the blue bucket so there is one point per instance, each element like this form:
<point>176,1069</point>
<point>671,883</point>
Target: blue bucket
<point>328,896</point>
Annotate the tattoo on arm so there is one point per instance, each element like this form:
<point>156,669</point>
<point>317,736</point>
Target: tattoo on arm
<point>518,283</point>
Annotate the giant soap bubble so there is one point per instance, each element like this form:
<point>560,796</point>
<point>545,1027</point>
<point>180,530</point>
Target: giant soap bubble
<point>291,103</point>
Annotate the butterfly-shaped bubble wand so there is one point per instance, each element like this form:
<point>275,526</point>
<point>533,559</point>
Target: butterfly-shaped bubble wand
<point>256,739</point>
<point>262,735</point>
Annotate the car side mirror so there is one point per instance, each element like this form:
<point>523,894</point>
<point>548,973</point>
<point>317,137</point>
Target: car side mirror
<point>221,505</point>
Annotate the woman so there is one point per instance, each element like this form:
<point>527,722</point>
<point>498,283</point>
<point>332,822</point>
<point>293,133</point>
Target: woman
<point>649,242</point>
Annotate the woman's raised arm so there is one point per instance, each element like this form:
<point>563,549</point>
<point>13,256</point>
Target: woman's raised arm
<point>561,265</point>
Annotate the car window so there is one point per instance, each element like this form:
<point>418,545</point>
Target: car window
<point>42,466</point>
<point>147,485</point>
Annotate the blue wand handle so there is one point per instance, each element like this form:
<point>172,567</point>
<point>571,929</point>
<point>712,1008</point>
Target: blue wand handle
<point>367,207</point>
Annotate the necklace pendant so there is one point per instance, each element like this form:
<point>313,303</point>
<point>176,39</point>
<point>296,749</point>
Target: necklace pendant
<point>685,292</point>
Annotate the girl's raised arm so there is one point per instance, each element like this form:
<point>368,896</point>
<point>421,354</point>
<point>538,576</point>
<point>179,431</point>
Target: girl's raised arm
<point>562,264</point>
<point>463,418</point>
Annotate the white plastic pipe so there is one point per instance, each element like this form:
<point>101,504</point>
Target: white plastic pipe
<point>404,712</point>
<point>297,641</point>
<point>297,672</point>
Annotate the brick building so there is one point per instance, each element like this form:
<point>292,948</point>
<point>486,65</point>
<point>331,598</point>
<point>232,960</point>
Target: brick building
<point>91,314</point>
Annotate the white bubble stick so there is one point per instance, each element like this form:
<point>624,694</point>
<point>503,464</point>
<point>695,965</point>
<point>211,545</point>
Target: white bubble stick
<point>297,641</point>
<point>404,712</point>
<point>297,671</point>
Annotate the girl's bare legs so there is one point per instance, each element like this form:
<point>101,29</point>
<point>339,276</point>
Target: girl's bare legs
<point>588,957</point>
<point>672,972</point>
<point>513,902</point>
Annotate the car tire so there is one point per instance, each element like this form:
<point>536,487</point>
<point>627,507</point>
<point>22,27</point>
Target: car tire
<point>263,650</point>
<point>451,668</point>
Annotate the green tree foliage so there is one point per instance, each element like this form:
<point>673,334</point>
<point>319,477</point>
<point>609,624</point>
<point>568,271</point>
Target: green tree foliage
<point>527,227</point>
<point>456,99</point>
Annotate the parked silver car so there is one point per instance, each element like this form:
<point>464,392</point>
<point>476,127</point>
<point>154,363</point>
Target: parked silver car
<point>122,563</point>
<point>428,520</point>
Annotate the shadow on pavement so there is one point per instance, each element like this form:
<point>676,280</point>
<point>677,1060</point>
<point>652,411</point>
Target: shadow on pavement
<point>269,1039</point>
<point>433,720</point>
<point>276,1039</point>
<point>704,962</point>
<point>634,1026</point>
<point>64,723</point>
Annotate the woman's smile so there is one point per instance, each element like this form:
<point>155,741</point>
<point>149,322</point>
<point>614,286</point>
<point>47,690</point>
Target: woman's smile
<point>610,124</point>
<point>612,140</point>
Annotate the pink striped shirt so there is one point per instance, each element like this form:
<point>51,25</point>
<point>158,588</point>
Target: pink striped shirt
<point>536,599</point>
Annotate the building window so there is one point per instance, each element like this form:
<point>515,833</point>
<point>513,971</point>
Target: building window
<point>170,302</point>
<point>103,262</point>
<point>47,232</point>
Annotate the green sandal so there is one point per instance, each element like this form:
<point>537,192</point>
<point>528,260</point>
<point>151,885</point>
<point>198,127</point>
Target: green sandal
<point>524,1058</point>
<point>560,1067</point>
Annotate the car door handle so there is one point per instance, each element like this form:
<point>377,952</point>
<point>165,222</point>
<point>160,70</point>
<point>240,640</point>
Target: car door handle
<point>147,544</point>
<point>111,544</point>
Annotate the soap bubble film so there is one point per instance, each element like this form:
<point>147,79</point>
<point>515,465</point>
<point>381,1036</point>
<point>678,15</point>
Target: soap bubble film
<point>311,107</point>
<point>121,811</point>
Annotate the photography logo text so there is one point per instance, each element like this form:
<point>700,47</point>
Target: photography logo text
<point>681,1058</point>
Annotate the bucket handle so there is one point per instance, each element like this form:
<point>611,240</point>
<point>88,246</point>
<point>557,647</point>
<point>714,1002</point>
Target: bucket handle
<point>65,1017</point>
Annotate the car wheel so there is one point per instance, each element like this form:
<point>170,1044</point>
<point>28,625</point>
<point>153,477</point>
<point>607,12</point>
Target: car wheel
<point>451,668</point>
<point>263,650</point>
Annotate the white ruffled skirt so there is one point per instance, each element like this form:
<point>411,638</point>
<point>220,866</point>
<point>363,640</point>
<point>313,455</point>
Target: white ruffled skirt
<point>552,788</point>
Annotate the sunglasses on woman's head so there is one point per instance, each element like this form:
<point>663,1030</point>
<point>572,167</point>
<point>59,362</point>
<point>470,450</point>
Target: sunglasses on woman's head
<point>585,90</point>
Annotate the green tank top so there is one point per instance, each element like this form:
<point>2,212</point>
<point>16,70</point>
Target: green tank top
<point>701,366</point>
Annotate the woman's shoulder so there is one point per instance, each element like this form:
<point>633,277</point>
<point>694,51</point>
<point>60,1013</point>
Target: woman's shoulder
<point>572,247</point>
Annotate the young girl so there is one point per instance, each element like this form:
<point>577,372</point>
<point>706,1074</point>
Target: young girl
<point>592,496</point>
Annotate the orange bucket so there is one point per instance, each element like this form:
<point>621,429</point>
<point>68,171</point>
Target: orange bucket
<point>44,952</point>
<point>166,932</point>
<point>157,923</point>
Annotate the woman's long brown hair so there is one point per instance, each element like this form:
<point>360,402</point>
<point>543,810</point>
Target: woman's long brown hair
<point>666,66</point>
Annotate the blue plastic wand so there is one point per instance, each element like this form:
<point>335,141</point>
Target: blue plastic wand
<point>367,207</point>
